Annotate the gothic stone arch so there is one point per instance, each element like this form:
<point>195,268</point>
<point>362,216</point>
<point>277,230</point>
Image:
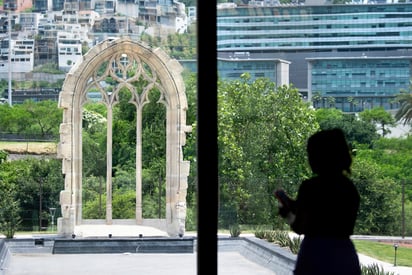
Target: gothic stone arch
<point>118,58</point>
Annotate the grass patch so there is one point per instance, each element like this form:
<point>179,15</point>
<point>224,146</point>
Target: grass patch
<point>384,252</point>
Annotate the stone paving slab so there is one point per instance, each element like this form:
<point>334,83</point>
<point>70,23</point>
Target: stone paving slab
<point>229,263</point>
<point>87,231</point>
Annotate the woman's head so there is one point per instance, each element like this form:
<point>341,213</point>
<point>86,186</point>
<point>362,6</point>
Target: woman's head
<point>328,152</point>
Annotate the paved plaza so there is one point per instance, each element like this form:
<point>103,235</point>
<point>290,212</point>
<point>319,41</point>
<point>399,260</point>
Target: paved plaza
<point>229,262</point>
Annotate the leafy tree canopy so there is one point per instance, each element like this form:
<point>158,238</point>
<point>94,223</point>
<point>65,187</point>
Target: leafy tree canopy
<point>262,132</point>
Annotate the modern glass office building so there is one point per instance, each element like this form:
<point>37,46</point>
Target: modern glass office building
<point>356,84</point>
<point>233,67</point>
<point>354,52</point>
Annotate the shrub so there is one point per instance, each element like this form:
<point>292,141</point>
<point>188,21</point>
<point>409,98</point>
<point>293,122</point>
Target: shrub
<point>281,238</point>
<point>235,230</point>
<point>374,269</point>
<point>260,233</point>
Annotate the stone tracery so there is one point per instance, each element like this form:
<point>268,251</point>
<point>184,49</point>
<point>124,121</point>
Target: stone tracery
<point>139,69</point>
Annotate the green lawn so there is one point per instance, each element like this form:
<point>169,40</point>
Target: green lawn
<point>385,252</point>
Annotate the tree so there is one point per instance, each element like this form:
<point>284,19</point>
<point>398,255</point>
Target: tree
<point>379,211</point>
<point>41,119</point>
<point>37,184</point>
<point>380,117</point>
<point>262,131</point>
<point>328,115</point>
<point>404,113</point>
<point>393,156</point>
<point>9,208</point>
<point>7,121</point>
<point>316,99</point>
<point>356,131</point>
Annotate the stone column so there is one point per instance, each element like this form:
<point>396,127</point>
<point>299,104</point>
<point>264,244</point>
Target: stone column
<point>109,219</point>
<point>139,211</point>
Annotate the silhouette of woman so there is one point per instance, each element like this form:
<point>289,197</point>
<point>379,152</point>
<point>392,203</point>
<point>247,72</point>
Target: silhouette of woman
<point>325,209</point>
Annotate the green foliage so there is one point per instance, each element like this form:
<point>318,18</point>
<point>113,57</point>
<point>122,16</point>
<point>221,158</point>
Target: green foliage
<point>278,122</point>
<point>384,252</point>
<point>262,135</point>
<point>281,238</point>
<point>356,131</point>
<point>9,208</point>
<point>41,119</point>
<point>94,161</point>
<point>191,219</point>
<point>294,244</point>
<point>234,230</point>
<point>94,209</point>
<point>51,68</point>
<point>126,115</point>
<point>374,269</point>
<point>260,233</point>
<point>190,149</point>
<point>3,156</point>
<point>94,197</point>
<point>408,217</point>
<point>380,117</point>
<point>182,46</point>
<point>124,204</point>
<point>37,184</point>
<point>7,119</point>
<point>393,157</point>
<point>404,113</point>
<point>94,141</point>
<point>328,115</point>
<point>43,116</point>
<point>379,211</point>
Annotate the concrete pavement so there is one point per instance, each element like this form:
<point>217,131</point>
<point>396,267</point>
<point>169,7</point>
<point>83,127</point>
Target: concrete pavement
<point>229,262</point>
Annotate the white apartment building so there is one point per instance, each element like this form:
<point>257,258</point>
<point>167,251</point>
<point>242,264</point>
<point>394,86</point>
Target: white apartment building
<point>69,50</point>
<point>22,56</point>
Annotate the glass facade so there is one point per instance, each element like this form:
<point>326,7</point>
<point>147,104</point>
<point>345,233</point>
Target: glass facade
<point>358,84</point>
<point>277,70</point>
<point>347,52</point>
<point>314,27</point>
<point>233,69</point>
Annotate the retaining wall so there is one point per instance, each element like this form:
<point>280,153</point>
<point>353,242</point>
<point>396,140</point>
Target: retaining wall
<point>261,252</point>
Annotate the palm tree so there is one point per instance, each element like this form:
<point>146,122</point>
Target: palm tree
<point>404,112</point>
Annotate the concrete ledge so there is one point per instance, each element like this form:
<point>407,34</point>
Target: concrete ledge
<point>4,256</point>
<point>261,252</point>
<point>123,245</point>
<point>29,245</point>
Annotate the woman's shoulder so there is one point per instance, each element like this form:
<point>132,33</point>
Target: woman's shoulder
<point>312,183</point>
<point>326,180</point>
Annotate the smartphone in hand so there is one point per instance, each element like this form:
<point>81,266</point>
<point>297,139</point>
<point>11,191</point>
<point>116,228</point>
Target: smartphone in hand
<point>285,207</point>
<point>282,197</point>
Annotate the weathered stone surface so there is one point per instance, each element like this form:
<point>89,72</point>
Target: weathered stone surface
<point>158,70</point>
